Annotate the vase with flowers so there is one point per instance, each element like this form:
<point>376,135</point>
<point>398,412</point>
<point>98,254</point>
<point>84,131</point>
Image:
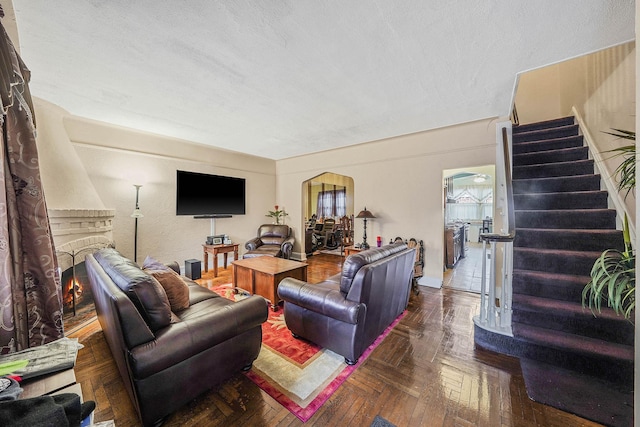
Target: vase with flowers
<point>277,214</point>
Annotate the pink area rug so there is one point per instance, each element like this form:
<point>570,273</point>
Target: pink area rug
<point>298,374</point>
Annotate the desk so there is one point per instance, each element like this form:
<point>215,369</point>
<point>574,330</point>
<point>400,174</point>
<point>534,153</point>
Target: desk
<point>215,250</point>
<point>262,275</point>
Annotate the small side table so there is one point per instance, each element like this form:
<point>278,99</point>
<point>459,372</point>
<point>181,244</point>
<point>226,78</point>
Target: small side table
<point>50,383</point>
<point>348,250</point>
<point>215,250</point>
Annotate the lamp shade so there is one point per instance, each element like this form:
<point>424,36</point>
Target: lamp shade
<point>136,213</point>
<point>365,214</point>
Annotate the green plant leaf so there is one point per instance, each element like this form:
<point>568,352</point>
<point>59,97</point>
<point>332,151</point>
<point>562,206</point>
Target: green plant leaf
<point>625,173</point>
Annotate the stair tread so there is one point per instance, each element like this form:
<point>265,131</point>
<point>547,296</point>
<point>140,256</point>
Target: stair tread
<point>550,178</point>
<point>563,193</point>
<point>546,130</point>
<point>585,231</point>
<point>572,162</point>
<point>558,139</point>
<point>576,343</point>
<point>544,124</point>
<point>556,184</point>
<point>598,210</point>
<point>558,151</point>
<point>558,276</point>
<point>565,252</point>
<point>591,199</point>
<point>572,307</point>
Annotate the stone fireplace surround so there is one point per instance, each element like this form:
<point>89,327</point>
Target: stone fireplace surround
<point>79,232</point>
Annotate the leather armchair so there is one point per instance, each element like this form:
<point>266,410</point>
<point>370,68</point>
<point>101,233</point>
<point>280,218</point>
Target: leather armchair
<point>273,240</point>
<point>348,311</point>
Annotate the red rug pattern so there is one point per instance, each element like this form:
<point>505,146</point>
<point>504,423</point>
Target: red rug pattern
<point>298,374</point>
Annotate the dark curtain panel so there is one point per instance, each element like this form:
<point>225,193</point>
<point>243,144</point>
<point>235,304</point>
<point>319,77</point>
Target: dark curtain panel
<point>30,294</point>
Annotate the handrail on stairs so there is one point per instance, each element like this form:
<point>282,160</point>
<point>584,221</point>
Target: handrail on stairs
<point>495,311</point>
<point>514,115</point>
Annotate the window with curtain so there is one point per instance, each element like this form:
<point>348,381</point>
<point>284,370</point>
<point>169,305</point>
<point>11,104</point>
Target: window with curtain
<point>332,203</point>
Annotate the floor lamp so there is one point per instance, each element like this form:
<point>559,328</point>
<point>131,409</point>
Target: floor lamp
<point>136,214</point>
<point>365,214</point>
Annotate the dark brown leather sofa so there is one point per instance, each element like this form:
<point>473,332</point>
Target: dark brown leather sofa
<point>348,311</point>
<point>273,240</point>
<point>167,359</point>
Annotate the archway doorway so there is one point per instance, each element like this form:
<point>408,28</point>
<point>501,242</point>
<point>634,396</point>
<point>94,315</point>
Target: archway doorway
<point>328,196</point>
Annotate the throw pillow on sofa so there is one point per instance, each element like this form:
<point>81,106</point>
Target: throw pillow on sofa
<point>144,291</point>
<point>176,289</point>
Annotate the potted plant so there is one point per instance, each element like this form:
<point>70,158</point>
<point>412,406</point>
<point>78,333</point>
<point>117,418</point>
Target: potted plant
<point>613,275</point>
<point>277,214</point>
<point>613,279</point>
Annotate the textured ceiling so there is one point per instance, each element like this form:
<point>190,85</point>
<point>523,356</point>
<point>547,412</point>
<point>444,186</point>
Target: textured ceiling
<point>284,78</point>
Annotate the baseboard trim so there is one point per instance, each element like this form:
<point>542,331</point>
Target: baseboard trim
<point>431,282</point>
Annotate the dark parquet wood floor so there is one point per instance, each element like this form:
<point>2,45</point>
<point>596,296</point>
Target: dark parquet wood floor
<point>425,373</point>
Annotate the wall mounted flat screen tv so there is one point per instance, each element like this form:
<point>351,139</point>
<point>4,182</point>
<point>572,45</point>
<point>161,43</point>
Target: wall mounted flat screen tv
<point>205,195</point>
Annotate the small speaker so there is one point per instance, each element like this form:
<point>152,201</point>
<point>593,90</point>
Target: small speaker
<point>192,269</point>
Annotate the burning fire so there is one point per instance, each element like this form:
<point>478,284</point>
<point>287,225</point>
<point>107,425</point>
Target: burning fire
<point>73,287</point>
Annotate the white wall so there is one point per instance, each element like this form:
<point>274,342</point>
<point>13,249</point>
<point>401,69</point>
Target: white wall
<point>538,95</point>
<point>115,158</point>
<point>600,86</point>
<point>398,179</point>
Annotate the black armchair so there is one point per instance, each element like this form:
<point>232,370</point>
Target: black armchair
<point>273,240</point>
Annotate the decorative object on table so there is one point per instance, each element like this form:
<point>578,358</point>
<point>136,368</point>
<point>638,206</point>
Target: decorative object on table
<point>215,240</point>
<point>365,214</point>
<point>379,241</point>
<point>278,214</point>
<point>136,214</point>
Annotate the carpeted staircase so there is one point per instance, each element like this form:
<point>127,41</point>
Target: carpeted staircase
<point>562,226</point>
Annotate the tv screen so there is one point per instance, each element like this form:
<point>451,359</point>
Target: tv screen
<point>200,194</point>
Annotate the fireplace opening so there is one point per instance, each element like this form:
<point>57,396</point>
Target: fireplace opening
<point>78,307</point>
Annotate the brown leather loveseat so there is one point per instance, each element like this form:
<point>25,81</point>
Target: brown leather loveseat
<point>348,311</point>
<point>168,358</point>
<point>272,240</point>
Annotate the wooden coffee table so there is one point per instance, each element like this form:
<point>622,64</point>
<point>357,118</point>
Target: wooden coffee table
<point>262,275</point>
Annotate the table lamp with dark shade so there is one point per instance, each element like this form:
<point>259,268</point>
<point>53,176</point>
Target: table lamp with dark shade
<point>365,214</point>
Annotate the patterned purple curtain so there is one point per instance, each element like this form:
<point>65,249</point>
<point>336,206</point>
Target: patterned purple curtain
<point>30,293</point>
